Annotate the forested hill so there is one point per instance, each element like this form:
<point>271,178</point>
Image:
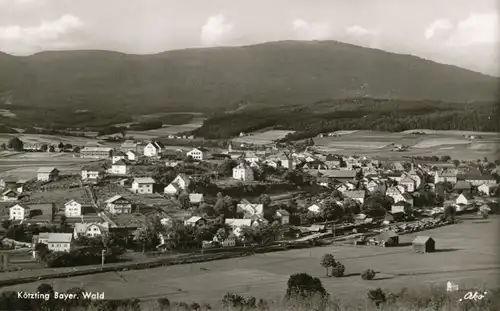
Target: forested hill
<point>356,114</point>
<point>277,73</point>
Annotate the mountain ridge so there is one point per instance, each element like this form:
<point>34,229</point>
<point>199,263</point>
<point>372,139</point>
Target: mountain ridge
<point>211,79</point>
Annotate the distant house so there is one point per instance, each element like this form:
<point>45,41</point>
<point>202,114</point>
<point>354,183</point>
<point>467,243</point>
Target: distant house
<point>372,186</point>
<point>129,145</point>
<point>465,199</point>
<point>90,230</point>
<point>119,168</point>
<point>117,155</point>
<point>462,186</point>
<point>10,195</point>
<point>400,207</point>
<point>287,162</point>
<point>72,209</point>
<point>179,184</point>
<point>445,176</point>
<point>132,155</point>
<point>250,209</point>
<point>271,163</point>
<point>230,241</point>
<point>118,205</point>
<point>8,182</point>
<point>356,195</point>
<point>340,175</point>
<point>251,157</point>
<point>143,185</point>
<point>243,172</point>
<point>47,174</point>
<point>96,153</point>
<point>314,209</point>
<point>60,242</point>
<point>481,179</point>
<point>92,172</point>
<point>333,161</point>
<point>18,212</point>
<point>408,182</point>
<point>283,216</point>
<point>153,149</point>
<point>196,221</point>
<point>197,154</point>
<point>236,223</point>
<point>195,198</point>
<point>424,244</point>
<point>390,238</point>
<point>485,189</point>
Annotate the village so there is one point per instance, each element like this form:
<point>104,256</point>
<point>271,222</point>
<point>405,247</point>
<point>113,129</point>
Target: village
<point>146,198</point>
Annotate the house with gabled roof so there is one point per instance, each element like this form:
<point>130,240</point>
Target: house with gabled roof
<point>18,212</point>
<point>132,155</point>
<point>120,167</point>
<point>197,154</point>
<point>408,183</point>
<point>153,149</point>
<point>445,176</point>
<point>60,242</point>
<point>283,216</point>
<point>10,195</point>
<point>196,221</point>
<point>356,195</point>
<point>464,199</point>
<point>340,175</point>
<point>118,205</point>
<point>243,172</point>
<point>90,230</point>
<point>117,155</point>
<point>249,209</point>
<point>92,172</point>
<point>179,184</point>
<point>195,199</point>
<point>47,174</point>
<point>143,185</point>
<point>72,209</point>
<point>316,209</point>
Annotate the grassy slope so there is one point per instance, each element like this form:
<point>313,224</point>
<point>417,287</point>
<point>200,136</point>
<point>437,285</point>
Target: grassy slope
<point>287,72</point>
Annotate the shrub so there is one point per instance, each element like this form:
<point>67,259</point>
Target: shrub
<point>377,296</point>
<point>368,274</point>
<point>302,285</point>
<point>338,270</point>
<point>164,303</point>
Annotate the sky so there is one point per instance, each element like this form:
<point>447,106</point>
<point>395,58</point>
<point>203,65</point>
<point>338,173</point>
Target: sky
<point>459,32</point>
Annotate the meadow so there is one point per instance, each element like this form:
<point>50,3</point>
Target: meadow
<point>262,138</point>
<point>48,139</point>
<point>24,165</point>
<point>380,144</point>
<point>466,254</point>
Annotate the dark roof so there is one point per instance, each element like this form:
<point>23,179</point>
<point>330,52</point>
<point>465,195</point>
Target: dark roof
<point>462,185</point>
<point>480,177</point>
<point>421,240</point>
<point>339,173</point>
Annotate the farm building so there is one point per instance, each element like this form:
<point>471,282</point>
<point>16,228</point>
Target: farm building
<point>47,174</point>
<point>118,155</point>
<point>181,182</point>
<point>424,244</point>
<point>90,229</point>
<point>96,153</point>
<point>18,212</point>
<point>243,172</point>
<point>129,145</point>
<point>480,179</point>
<point>197,154</point>
<point>390,238</point>
<point>462,187</point>
<point>119,168</point>
<point>446,176</point>
<point>10,195</point>
<point>284,216</point>
<point>72,209</point>
<point>356,195</point>
<point>118,205</point>
<point>60,242</point>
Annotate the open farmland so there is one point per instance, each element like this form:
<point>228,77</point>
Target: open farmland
<point>380,145</point>
<point>25,165</point>
<point>60,196</point>
<point>49,139</point>
<point>264,138</point>
<point>466,255</point>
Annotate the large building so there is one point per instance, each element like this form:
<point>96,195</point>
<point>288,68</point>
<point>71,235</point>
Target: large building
<point>47,174</point>
<point>243,172</point>
<point>96,153</point>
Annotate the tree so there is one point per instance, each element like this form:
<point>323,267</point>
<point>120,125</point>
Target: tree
<point>445,158</point>
<point>44,148</point>
<point>45,288</point>
<point>328,261</point>
<point>15,144</point>
<point>184,200</point>
<point>60,146</point>
<point>3,146</point>
<point>368,274</point>
<point>164,303</point>
<point>456,162</point>
<point>68,146</point>
<point>52,148</point>
<point>304,286</point>
<point>450,212</point>
<point>226,167</point>
<point>338,270</point>
<point>6,223</point>
<point>76,149</point>
<point>265,200</point>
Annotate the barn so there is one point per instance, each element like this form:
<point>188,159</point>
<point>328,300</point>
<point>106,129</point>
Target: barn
<point>389,237</point>
<point>424,244</point>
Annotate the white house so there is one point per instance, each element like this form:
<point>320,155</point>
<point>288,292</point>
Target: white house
<point>118,155</point>
<point>119,168</point>
<point>90,230</point>
<point>118,205</point>
<point>180,183</point>
<point>197,154</point>
<point>465,199</point>
<point>243,172</point>
<point>47,174</point>
<point>314,209</point>
<point>132,155</point>
<point>407,182</point>
<point>446,176</point>
<point>196,198</point>
<point>92,173</point>
<point>484,189</point>
<point>143,185</point>
<point>284,216</point>
<point>17,212</point>
<point>153,149</point>
<point>10,195</point>
<point>72,209</point>
<point>195,221</point>
<point>60,242</point>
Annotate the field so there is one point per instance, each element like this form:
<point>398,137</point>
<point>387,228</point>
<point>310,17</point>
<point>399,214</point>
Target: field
<point>24,165</point>
<point>467,255</point>
<point>48,139</point>
<point>166,130</point>
<point>264,138</point>
<point>438,143</point>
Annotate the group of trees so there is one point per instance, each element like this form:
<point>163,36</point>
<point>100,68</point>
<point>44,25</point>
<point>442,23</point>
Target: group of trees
<point>328,262</point>
<point>17,144</point>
